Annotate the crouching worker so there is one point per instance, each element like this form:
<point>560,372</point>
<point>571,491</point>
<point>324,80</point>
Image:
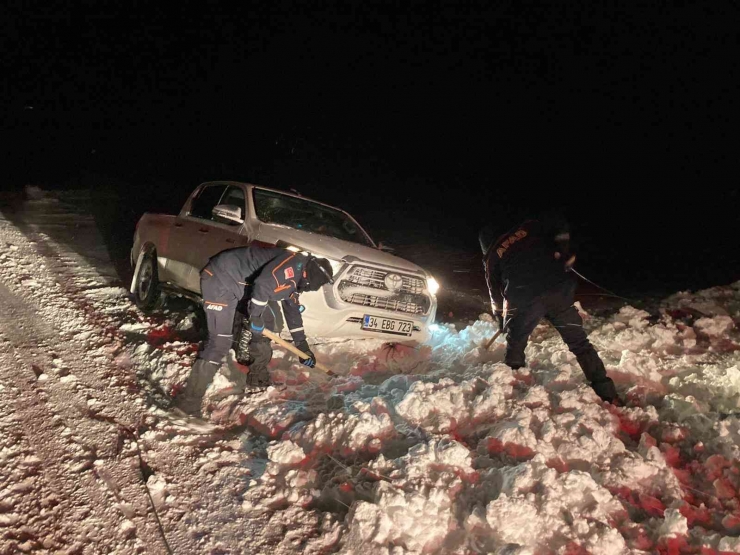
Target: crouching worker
<point>275,275</point>
<point>527,270</point>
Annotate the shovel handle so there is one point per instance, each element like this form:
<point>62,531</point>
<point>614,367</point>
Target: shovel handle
<point>293,349</point>
<point>495,336</point>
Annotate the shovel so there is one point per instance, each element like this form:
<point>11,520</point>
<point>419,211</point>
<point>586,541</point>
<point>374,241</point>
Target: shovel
<point>295,350</point>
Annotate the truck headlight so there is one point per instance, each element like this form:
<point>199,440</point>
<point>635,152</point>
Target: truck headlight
<point>432,285</point>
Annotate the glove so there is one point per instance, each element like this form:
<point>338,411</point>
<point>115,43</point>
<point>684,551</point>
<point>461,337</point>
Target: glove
<point>311,361</point>
<point>256,325</point>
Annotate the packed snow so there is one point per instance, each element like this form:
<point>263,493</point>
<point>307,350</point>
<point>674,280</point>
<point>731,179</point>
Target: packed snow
<point>435,448</point>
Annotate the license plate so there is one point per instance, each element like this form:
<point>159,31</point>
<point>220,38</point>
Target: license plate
<point>387,325</point>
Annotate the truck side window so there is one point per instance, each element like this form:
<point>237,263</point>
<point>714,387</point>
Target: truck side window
<point>206,200</point>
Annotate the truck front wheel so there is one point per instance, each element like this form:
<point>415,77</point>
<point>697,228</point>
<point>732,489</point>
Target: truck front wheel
<point>146,284</point>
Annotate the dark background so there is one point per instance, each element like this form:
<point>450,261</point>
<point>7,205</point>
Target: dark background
<point>423,119</point>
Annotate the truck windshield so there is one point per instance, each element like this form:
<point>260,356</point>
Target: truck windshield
<point>306,215</point>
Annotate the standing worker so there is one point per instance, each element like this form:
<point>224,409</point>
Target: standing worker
<point>275,274</point>
<point>527,270</point>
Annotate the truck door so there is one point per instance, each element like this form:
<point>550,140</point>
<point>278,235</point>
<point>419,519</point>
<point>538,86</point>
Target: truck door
<point>209,234</point>
<point>184,237</point>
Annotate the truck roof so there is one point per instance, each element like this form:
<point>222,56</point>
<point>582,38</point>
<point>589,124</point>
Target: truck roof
<point>287,193</point>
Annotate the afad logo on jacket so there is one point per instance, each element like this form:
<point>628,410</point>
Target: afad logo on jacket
<point>510,240</point>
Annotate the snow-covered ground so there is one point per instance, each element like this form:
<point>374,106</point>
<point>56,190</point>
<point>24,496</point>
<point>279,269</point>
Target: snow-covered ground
<point>436,449</point>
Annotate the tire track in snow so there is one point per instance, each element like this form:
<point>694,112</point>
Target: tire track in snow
<point>54,492</point>
<point>89,383</point>
<point>71,393</point>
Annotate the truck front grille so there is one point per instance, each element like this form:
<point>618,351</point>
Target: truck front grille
<point>365,286</point>
<point>372,277</point>
<point>384,303</point>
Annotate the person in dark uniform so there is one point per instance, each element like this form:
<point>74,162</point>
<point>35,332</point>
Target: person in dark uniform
<point>274,274</point>
<point>527,270</point>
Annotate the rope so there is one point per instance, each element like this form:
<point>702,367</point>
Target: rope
<point>611,293</point>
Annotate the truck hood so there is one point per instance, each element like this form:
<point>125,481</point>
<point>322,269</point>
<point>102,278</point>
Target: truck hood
<point>330,247</point>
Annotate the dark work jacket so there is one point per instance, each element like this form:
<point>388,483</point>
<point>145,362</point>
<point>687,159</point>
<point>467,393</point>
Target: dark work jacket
<point>521,264</point>
<point>274,275</point>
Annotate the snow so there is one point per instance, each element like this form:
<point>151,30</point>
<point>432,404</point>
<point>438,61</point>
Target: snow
<point>674,524</point>
<point>567,504</point>
<point>439,448</point>
<point>729,545</point>
<point>285,453</point>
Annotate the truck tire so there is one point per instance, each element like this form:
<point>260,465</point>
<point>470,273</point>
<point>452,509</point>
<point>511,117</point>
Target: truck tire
<point>146,286</point>
<point>244,336</point>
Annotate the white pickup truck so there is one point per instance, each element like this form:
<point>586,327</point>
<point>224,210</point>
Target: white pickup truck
<point>374,293</point>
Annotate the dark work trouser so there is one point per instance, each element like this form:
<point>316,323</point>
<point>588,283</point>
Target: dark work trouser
<point>219,304</point>
<point>556,305</point>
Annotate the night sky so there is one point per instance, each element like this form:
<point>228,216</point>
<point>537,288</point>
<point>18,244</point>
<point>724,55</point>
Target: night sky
<point>423,119</point>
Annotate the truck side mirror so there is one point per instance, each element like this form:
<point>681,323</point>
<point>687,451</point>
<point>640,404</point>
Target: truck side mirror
<point>228,212</point>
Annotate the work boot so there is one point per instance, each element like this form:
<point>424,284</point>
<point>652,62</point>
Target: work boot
<point>259,376</point>
<point>607,392</point>
<point>236,373</point>
<point>258,381</point>
<point>191,398</point>
<point>594,370</point>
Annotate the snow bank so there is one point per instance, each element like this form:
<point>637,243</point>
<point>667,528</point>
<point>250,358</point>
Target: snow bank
<point>444,449</point>
<point>439,448</point>
<point>538,506</point>
<point>444,406</point>
<point>415,508</point>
